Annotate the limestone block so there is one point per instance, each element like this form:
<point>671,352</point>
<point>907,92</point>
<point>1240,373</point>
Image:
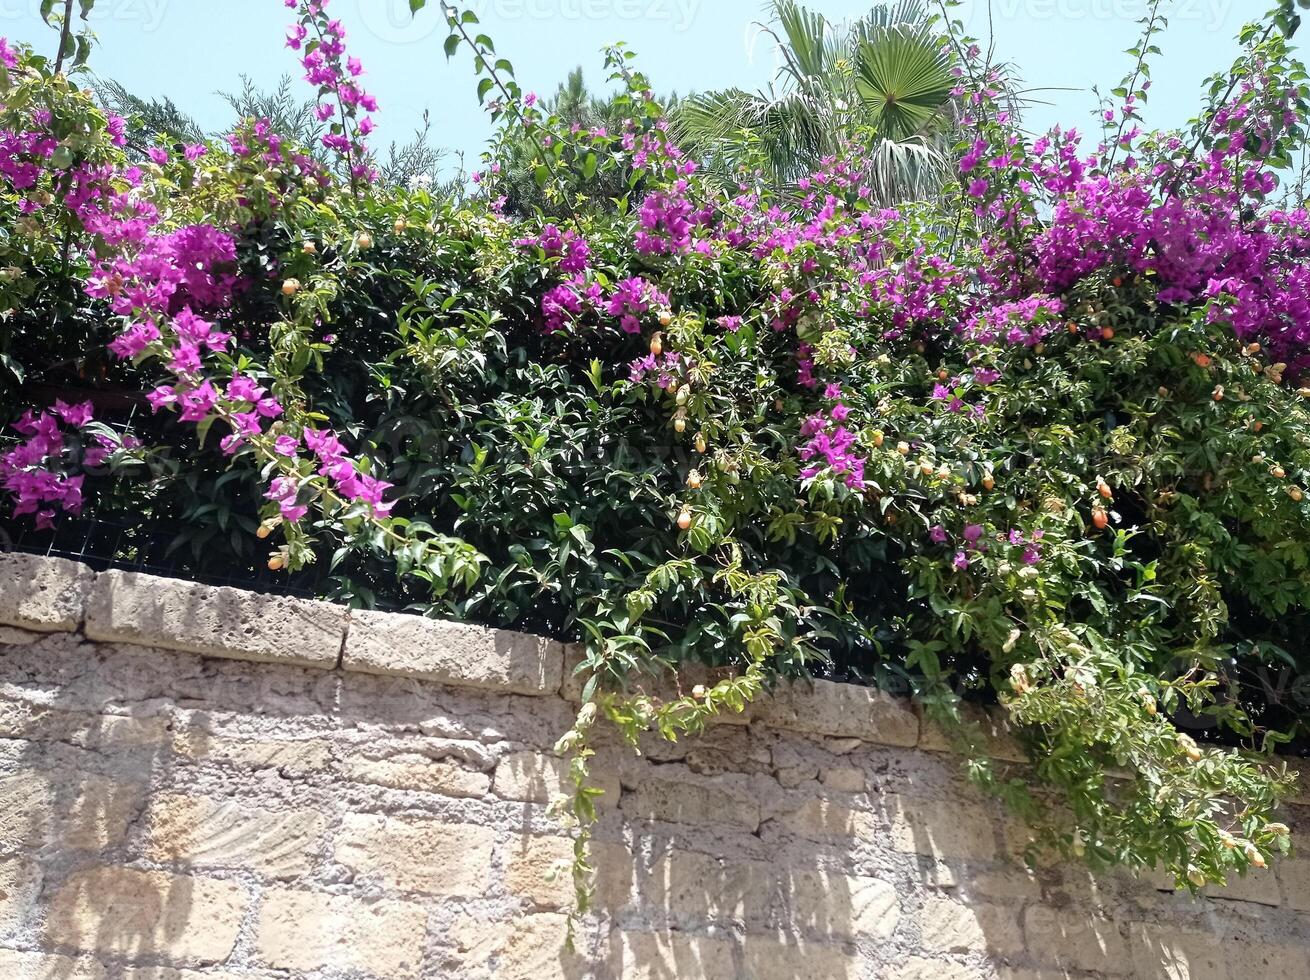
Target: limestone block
<point>70,810</point>
<point>459,654</point>
<point>920,968</point>
<point>841,710</point>
<point>1076,940</point>
<point>662,956</point>
<point>415,854</point>
<point>20,884</point>
<point>310,931</point>
<point>1258,886</point>
<point>142,914</point>
<point>691,802</point>
<point>948,926</point>
<point>993,724</point>
<point>539,869</point>
<point>768,958</point>
<point>290,757</point>
<point>535,777</point>
<point>529,948</point>
<point>127,607</point>
<point>410,771</point>
<point>44,966</point>
<point>200,832</point>
<point>1165,953</point>
<point>45,595</point>
<point>839,906</point>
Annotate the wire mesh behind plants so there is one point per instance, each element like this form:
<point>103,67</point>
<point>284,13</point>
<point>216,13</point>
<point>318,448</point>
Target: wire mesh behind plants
<point>109,535</point>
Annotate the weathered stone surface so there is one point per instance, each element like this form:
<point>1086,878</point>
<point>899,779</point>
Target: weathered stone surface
<point>301,930</point>
<point>921,968</point>
<point>532,948</point>
<point>74,811</point>
<point>691,802</point>
<point>1172,954</point>
<point>1260,887</point>
<point>146,914</point>
<point>43,966</point>
<point>168,973</point>
<point>44,595</point>
<point>1294,874</point>
<point>155,810</point>
<point>696,889</point>
<point>290,757</point>
<point>770,959</point>
<point>539,869</point>
<point>663,956</point>
<point>821,819</point>
<point>1016,884</point>
<point>418,773</point>
<point>1248,957</point>
<point>936,828</point>
<point>843,779</point>
<point>949,926</point>
<point>453,653</point>
<point>20,883</point>
<point>841,906</point>
<point>841,710</point>
<point>998,735</point>
<point>417,854</point>
<point>200,832</point>
<point>1076,940</point>
<point>126,607</point>
<point>535,777</point>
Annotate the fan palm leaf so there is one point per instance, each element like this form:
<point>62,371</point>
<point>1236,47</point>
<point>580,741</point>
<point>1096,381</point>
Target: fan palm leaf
<point>903,80</point>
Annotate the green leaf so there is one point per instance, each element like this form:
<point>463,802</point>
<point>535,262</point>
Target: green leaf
<point>452,45</point>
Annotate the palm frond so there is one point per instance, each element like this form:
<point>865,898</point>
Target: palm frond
<point>903,80</point>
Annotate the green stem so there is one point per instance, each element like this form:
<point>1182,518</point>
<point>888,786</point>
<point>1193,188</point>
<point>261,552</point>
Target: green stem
<point>65,30</point>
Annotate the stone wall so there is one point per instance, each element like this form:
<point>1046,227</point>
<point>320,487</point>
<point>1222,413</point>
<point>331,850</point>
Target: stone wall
<point>205,783</point>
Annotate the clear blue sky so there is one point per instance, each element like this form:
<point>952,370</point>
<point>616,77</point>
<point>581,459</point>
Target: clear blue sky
<point>191,49</point>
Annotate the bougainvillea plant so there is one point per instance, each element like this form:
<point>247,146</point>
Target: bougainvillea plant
<point>1041,441</point>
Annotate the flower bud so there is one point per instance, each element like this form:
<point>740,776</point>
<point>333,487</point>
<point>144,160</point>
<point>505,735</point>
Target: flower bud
<point>1254,856</point>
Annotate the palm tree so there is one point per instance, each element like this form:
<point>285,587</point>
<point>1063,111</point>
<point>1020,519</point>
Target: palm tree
<point>883,81</point>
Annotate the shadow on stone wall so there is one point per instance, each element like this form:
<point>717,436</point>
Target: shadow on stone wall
<point>164,813</point>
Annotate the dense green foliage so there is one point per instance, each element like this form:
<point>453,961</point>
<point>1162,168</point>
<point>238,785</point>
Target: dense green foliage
<point>1100,522</point>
